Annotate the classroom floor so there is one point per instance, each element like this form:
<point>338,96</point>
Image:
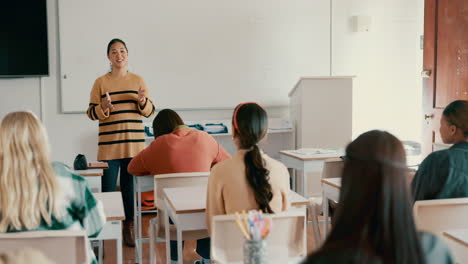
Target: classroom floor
<point>189,251</point>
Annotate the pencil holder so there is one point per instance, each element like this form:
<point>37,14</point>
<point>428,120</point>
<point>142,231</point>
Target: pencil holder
<point>255,252</point>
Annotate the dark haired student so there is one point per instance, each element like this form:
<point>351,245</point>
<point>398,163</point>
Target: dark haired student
<point>118,100</point>
<point>250,179</point>
<point>444,174</point>
<point>175,149</point>
<point>373,223</point>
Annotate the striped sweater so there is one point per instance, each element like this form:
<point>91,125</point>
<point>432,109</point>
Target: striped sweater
<point>121,133</point>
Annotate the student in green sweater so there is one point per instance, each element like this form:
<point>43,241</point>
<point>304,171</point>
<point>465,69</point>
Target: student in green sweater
<point>444,174</point>
<point>374,220</point>
<point>35,194</point>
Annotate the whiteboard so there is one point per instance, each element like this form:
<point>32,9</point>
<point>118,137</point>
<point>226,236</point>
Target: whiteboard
<point>195,54</point>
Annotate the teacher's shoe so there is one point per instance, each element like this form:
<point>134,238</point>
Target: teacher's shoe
<point>202,261</point>
<point>128,235</point>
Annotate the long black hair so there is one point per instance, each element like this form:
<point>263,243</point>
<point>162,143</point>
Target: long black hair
<point>374,218</point>
<point>165,122</point>
<point>250,123</point>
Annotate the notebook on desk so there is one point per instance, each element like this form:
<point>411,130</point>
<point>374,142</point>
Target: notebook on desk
<point>98,165</point>
<point>314,153</point>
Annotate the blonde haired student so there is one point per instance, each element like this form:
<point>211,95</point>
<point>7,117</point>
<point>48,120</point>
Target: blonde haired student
<point>444,174</point>
<point>250,179</point>
<point>35,194</point>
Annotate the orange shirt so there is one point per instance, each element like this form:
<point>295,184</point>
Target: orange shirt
<point>183,150</point>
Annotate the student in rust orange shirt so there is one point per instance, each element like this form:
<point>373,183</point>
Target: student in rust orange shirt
<point>176,149</point>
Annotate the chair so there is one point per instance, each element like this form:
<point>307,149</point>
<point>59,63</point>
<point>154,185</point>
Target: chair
<point>60,246</point>
<point>285,244</point>
<point>156,226</point>
<point>441,215</point>
<point>438,216</point>
<point>140,184</point>
<point>332,168</point>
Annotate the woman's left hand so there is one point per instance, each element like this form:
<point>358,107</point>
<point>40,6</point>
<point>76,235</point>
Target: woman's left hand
<point>141,98</point>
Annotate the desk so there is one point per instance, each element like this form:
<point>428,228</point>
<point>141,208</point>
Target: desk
<point>331,190</point>
<point>92,176</point>
<point>186,207</point>
<point>112,230</point>
<point>457,241</point>
<point>306,164</point>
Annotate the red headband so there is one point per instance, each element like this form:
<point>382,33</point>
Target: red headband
<point>234,118</point>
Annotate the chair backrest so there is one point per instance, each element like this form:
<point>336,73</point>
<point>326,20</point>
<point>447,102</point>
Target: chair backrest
<point>441,215</point>
<point>333,168</point>
<point>173,180</point>
<point>286,241</point>
<point>60,246</point>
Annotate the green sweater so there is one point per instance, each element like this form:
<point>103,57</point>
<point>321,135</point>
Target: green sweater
<point>77,205</point>
<point>443,174</point>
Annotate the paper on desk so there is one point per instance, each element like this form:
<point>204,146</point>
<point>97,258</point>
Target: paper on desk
<point>314,151</point>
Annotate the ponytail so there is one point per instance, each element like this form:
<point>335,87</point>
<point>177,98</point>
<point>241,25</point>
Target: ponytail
<point>258,178</point>
<point>250,125</point>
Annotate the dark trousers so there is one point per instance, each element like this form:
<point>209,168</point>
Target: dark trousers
<point>203,247</point>
<point>109,183</point>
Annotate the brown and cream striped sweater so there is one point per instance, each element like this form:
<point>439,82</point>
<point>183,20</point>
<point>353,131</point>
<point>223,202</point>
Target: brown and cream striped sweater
<point>121,132</point>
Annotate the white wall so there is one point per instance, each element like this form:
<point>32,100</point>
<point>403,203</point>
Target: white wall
<point>19,94</point>
<point>386,61</point>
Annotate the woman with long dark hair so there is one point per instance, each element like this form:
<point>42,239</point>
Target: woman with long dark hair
<point>444,174</point>
<point>250,179</point>
<point>118,100</point>
<point>374,220</point>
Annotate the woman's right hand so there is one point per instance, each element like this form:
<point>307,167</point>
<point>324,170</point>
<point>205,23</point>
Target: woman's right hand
<point>107,103</point>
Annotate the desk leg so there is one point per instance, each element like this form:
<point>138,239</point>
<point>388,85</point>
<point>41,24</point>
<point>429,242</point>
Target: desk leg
<point>167,231</point>
<point>180,252</point>
<point>119,245</point>
<point>325,214</point>
<point>293,179</point>
<point>305,184</point>
<point>137,219</point>
<point>100,250</point>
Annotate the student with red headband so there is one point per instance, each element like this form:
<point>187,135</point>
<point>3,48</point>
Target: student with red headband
<point>250,179</point>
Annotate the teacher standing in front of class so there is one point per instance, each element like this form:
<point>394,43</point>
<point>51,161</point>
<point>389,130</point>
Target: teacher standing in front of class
<point>118,100</point>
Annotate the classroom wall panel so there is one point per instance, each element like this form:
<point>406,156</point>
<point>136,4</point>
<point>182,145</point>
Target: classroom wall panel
<point>387,63</point>
<point>75,133</point>
<point>190,52</point>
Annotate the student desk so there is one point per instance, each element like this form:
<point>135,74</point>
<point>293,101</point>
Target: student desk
<point>92,176</point>
<point>186,207</point>
<point>112,230</point>
<point>331,190</point>
<point>457,241</point>
<point>306,163</point>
